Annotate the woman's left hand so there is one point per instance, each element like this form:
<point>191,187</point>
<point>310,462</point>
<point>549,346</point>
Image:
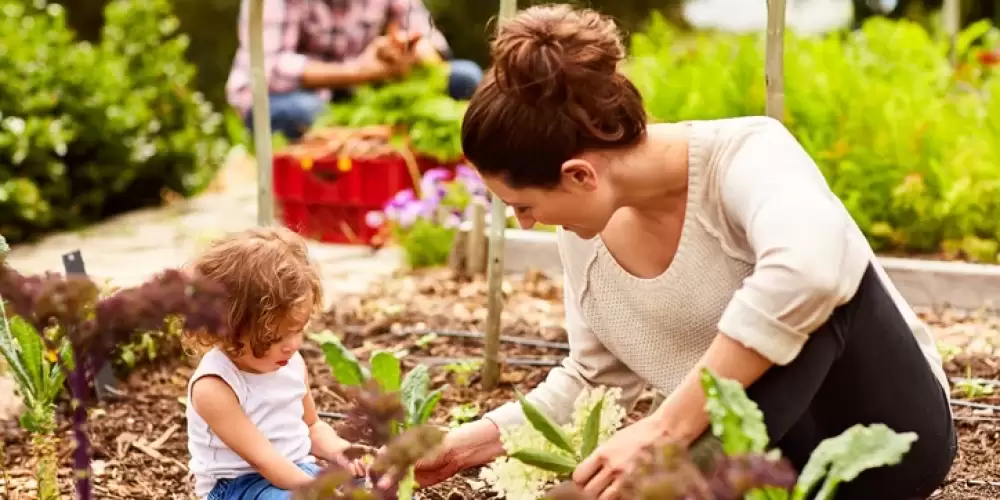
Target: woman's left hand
<point>601,474</point>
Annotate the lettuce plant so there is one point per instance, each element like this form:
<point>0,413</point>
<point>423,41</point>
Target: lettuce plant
<point>69,310</point>
<point>747,469</point>
<point>541,452</point>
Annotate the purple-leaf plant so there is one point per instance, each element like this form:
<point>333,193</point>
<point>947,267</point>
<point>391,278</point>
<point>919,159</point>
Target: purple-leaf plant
<point>70,308</point>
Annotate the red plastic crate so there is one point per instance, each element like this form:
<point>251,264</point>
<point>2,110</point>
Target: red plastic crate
<point>326,199</point>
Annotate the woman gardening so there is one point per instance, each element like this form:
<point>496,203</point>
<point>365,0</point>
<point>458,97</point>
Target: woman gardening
<point>699,244</point>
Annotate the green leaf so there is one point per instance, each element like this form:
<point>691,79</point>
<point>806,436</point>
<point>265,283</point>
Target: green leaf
<point>57,372</point>
<point>543,424</point>
<point>545,460</point>
<point>32,352</point>
<point>11,352</point>
<point>968,36</point>
<point>843,458</point>
<point>427,406</point>
<point>414,390</point>
<point>407,485</point>
<point>735,418</point>
<point>386,371</point>
<point>592,430</point>
<point>345,367</point>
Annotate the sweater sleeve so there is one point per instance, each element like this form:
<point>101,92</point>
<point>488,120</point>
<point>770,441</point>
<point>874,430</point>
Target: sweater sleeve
<point>589,364</point>
<point>774,193</point>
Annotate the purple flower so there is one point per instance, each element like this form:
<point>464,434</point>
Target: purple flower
<point>434,177</point>
<point>471,180</point>
<point>401,199</point>
<point>393,208</point>
<point>432,184</point>
<point>452,221</point>
<point>374,219</point>
<point>414,210</point>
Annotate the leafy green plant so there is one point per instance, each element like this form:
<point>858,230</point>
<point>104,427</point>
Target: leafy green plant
<point>463,370</point>
<point>87,130</point>
<point>417,400</point>
<point>540,452</point>
<point>391,473</point>
<point>905,140</point>
<point>748,469</point>
<point>460,414</point>
<point>40,380</point>
<point>150,346</point>
<point>418,106</point>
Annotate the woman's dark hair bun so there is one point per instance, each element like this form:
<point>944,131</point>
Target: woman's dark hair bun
<point>548,55</point>
<point>554,90</point>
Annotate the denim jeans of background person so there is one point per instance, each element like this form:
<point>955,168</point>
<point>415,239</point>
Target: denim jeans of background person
<point>302,35</point>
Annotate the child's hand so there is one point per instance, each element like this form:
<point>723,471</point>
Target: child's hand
<point>350,456</point>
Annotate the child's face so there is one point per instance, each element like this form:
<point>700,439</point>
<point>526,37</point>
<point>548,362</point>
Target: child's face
<point>290,331</point>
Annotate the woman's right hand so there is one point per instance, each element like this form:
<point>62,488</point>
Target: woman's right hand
<point>470,445</point>
<point>432,470</point>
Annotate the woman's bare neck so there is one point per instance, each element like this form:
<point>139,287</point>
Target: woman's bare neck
<point>653,178</point>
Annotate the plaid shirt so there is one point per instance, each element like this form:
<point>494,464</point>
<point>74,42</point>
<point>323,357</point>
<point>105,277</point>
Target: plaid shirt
<point>327,30</point>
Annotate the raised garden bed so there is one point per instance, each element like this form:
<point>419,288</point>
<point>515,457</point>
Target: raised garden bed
<point>140,441</point>
<point>924,282</point>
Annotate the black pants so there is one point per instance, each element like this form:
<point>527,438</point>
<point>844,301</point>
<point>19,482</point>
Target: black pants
<point>862,366</point>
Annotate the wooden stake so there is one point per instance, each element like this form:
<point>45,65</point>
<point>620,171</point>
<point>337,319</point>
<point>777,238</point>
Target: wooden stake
<point>494,274</point>
<point>774,65</point>
<point>459,247</point>
<point>476,253</point>
<point>952,13</point>
<point>261,115</point>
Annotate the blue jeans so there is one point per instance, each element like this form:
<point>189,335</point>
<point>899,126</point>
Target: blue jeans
<point>293,112</point>
<point>254,487</point>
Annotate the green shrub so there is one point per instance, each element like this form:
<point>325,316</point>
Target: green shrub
<point>90,130</point>
<point>909,144</point>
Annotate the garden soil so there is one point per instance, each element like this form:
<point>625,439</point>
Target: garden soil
<point>140,441</point>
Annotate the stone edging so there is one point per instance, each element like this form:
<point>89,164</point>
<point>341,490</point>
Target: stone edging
<point>924,283</point>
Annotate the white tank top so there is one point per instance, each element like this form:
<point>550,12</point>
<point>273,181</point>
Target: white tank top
<point>273,401</point>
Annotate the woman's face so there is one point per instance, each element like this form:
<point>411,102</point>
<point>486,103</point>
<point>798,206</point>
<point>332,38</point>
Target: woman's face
<point>582,203</point>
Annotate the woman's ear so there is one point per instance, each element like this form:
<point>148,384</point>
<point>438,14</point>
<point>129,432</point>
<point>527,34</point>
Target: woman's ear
<point>578,174</point>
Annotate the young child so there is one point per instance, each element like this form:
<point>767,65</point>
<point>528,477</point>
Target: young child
<point>253,431</point>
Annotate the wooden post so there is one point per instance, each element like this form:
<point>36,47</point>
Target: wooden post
<point>951,11</point>
<point>261,115</point>
<point>494,273</point>
<point>774,65</point>
<point>104,382</point>
<point>475,254</point>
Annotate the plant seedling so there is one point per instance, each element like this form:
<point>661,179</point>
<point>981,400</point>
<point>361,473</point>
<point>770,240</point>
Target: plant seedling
<point>561,464</point>
<point>463,370</point>
<point>416,399</point>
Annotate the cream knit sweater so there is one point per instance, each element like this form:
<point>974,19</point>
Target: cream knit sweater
<point>766,253</point>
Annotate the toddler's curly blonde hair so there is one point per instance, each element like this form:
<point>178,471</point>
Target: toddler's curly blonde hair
<point>268,275</point>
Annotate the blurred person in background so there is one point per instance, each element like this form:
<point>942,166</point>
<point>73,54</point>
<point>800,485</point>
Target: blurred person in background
<point>316,51</point>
